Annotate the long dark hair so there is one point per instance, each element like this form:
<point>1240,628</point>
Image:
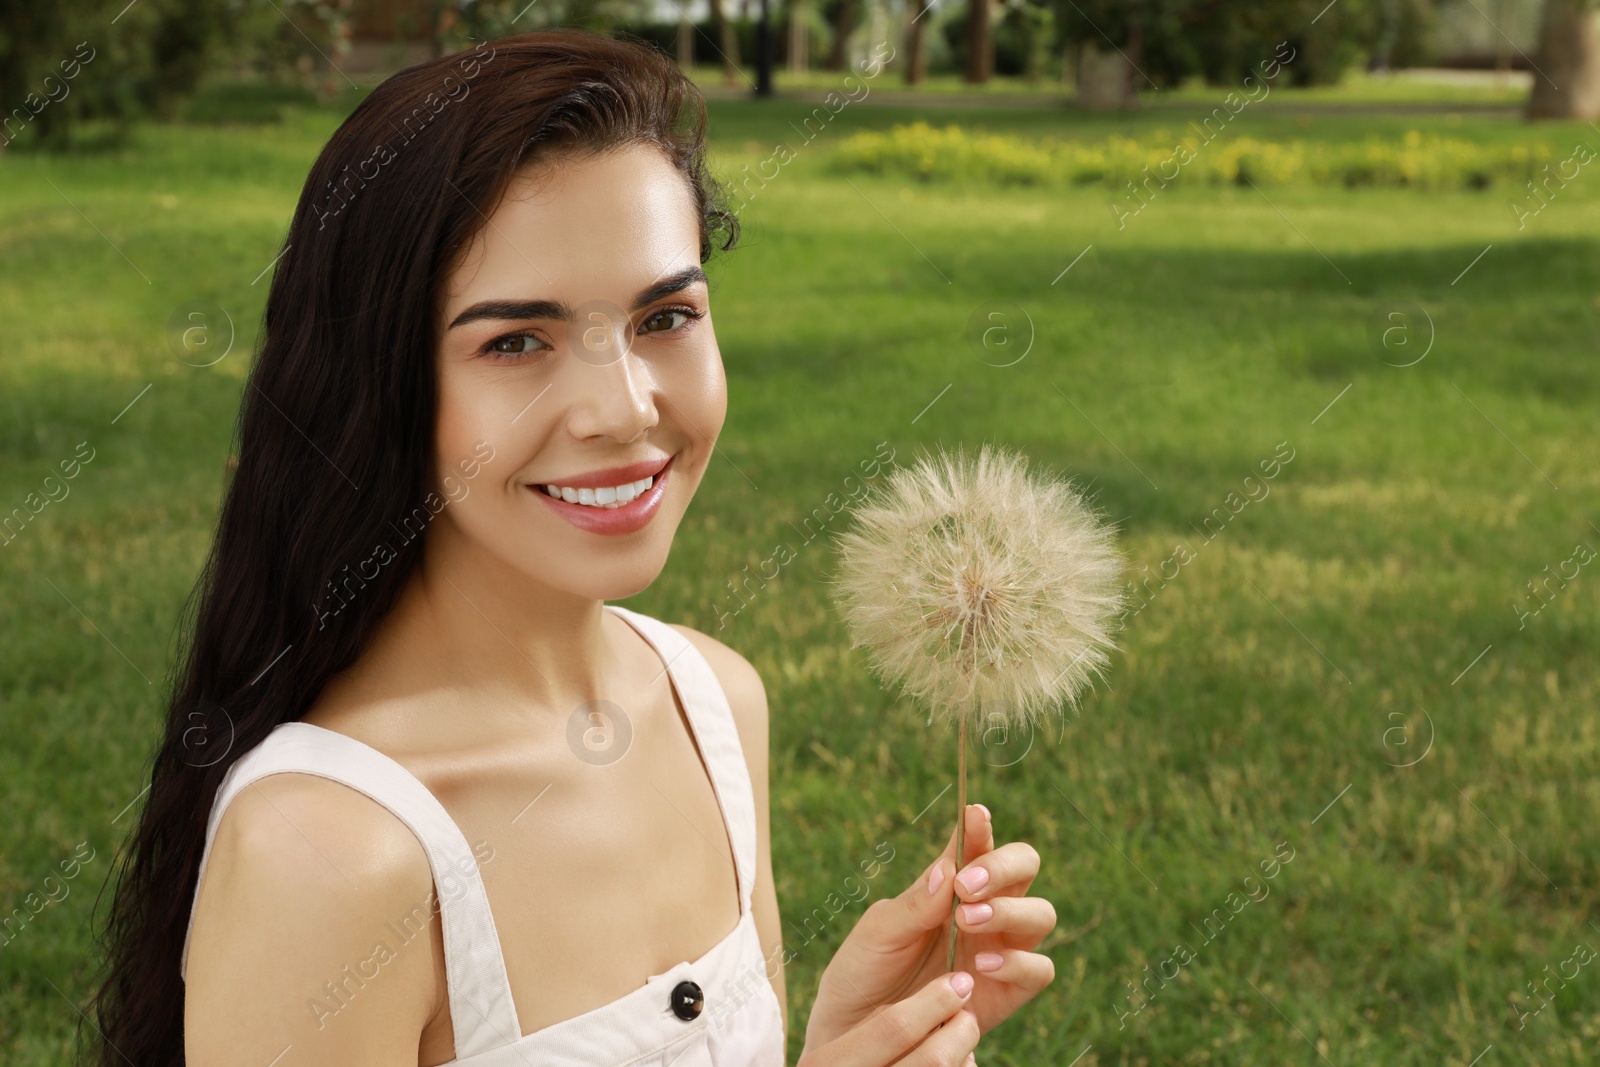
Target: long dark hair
<point>335,435</point>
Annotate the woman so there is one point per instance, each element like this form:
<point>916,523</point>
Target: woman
<point>486,392</point>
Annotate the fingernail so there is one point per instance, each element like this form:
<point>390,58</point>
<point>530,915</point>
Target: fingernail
<point>988,961</point>
<point>961,982</point>
<point>976,913</point>
<point>986,816</point>
<point>971,1060</point>
<point>973,878</point>
<point>935,876</point>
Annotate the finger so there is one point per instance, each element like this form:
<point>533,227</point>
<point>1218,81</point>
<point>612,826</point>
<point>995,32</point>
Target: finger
<point>980,833</point>
<point>951,1045</point>
<point>893,1030</point>
<point>924,904</point>
<point>1029,971</point>
<point>979,836</point>
<point>1011,867</point>
<point>1026,920</point>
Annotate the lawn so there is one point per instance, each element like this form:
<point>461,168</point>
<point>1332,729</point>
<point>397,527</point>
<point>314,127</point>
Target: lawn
<point>1341,676</point>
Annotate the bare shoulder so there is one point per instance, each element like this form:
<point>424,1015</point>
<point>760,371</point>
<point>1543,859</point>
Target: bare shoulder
<point>306,884</point>
<point>740,681</point>
<point>357,839</point>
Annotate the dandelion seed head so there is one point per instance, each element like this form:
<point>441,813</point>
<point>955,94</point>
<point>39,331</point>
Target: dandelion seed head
<point>972,583</point>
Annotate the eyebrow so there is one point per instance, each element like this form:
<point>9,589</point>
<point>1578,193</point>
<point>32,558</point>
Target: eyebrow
<point>500,310</point>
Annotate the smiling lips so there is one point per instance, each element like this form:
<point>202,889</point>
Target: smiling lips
<point>617,500</point>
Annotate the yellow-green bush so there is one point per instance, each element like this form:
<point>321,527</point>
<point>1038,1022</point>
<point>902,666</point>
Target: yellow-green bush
<point>1422,161</point>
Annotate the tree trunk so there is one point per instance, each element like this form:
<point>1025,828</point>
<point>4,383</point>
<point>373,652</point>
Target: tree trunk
<point>1105,79</point>
<point>799,42</point>
<point>980,43</point>
<point>1041,29</point>
<point>916,54</point>
<point>844,21</point>
<point>727,43</point>
<point>764,56</point>
<point>338,19</point>
<point>442,17</point>
<point>1566,84</point>
<point>685,40</point>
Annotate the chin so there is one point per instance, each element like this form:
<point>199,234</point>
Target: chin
<point>599,579</point>
<point>572,562</point>
<point>611,586</point>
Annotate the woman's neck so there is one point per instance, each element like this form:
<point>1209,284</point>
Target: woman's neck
<point>469,632</point>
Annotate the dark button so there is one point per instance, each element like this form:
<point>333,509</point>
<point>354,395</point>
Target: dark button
<point>687,1000</point>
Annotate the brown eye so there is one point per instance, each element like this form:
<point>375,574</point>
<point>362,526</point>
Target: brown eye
<point>514,344</point>
<point>683,316</point>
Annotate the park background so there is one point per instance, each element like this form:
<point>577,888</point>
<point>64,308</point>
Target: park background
<point>1373,274</point>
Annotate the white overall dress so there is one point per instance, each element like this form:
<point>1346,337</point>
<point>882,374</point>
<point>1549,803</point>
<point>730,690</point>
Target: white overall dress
<point>717,1011</point>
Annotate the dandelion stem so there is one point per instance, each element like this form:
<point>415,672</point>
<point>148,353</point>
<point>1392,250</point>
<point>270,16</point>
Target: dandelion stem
<point>961,833</point>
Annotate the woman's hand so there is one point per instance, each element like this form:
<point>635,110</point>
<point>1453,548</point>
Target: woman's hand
<point>931,1028</point>
<point>901,943</point>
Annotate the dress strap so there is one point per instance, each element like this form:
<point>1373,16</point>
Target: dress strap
<point>482,1013</point>
<point>711,719</point>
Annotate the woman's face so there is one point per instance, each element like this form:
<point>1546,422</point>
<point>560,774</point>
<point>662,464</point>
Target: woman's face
<point>575,338</point>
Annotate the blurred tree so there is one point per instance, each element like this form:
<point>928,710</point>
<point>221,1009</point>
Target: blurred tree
<point>1037,24</point>
<point>1402,34</point>
<point>1566,81</point>
<point>764,86</point>
<point>799,44</point>
<point>334,17</point>
<point>1020,38</point>
<point>442,15</point>
<point>685,40</point>
<point>485,20</point>
<point>980,42</point>
<point>727,43</point>
<point>844,23</point>
<point>31,36</point>
<point>69,60</point>
<point>1123,46</point>
<point>181,42</point>
<point>916,43</point>
<point>1109,38</point>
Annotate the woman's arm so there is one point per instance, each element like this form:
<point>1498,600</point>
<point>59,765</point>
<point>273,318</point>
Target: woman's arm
<point>304,877</point>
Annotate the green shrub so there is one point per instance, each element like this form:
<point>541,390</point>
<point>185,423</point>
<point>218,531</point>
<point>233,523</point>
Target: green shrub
<point>1420,161</point>
<point>237,102</point>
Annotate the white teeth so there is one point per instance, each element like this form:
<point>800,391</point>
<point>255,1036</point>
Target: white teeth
<point>604,497</point>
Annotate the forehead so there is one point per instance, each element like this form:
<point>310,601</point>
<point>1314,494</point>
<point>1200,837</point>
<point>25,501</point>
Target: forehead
<point>582,227</point>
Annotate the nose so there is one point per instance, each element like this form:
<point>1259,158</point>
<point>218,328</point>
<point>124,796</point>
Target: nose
<point>612,398</point>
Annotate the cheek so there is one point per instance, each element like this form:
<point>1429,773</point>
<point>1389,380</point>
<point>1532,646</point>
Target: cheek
<point>716,397</point>
<point>700,387</point>
<point>459,423</point>
<point>471,431</point>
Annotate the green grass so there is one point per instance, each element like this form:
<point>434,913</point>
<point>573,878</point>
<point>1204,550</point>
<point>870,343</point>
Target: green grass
<point>1253,690</point>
